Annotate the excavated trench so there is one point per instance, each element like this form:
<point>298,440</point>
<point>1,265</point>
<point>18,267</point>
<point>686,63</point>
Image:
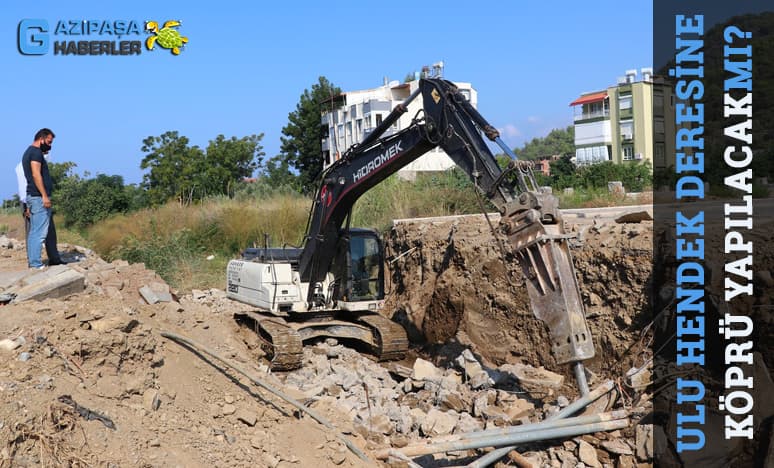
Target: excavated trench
<point>449,283</point>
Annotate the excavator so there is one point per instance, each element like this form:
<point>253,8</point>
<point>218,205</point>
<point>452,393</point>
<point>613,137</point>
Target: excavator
<point>333,286</point>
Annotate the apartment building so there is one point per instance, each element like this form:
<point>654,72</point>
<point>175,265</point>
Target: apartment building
<point>353,115</point>
<point>631,121</point>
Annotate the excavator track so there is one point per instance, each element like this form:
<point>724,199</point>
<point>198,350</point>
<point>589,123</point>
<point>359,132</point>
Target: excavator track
<point>281,343</point>
<point>390,338</point>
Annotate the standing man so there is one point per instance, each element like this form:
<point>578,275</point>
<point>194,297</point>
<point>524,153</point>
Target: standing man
<point>39,188</point>
<point>22,182</point>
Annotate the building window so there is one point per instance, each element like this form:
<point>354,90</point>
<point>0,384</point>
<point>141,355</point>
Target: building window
<point>627,129</point>
<point>658,126</point>
<point>627,152</point>
<point>659,155</point>
<point>378,119</point>
<point>625,102</point>
<point>359,124</point>
<point>658,129</point>
<point>591,155</point>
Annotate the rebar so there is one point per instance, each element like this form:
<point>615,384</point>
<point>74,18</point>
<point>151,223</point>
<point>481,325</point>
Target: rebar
<point>298,405</point>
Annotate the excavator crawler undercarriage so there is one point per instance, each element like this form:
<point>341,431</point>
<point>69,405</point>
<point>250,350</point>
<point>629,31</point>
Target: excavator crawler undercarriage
<point>282,339</point>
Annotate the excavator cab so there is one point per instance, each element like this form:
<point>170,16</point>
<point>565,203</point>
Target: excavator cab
<point>362,275</point>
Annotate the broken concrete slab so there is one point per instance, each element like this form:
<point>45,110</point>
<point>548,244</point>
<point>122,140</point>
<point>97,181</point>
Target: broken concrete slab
<point>51,284</point>
<point>534,380</point>
<point>425,370</point>
<point>247,417</point>
<point>439,422</point>
<point>9,278</point>
<point>8,344</point>
<point>587,454</point>
<point>153,295</point>
<point>39,276</point>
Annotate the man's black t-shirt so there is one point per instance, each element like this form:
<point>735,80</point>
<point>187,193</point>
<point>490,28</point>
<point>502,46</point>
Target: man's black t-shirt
<point>34,154</point>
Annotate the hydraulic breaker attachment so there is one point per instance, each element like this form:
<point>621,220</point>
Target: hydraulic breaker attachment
<point>533,225</point>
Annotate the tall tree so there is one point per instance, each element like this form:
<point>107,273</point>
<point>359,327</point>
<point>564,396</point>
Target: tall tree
<point>301,146</point>
<point>558,142</point>
<point>229,161</point>
<point>177,170</point>
<point>173,167</point>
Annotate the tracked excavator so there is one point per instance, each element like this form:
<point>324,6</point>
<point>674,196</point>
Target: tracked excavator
<point>333,286</point>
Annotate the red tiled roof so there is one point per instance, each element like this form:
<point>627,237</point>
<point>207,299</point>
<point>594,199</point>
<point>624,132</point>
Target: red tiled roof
<point>587,98</point>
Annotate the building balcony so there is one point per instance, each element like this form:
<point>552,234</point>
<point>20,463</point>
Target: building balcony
<point>602,114</point>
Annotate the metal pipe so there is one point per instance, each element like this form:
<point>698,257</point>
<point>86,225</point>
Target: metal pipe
<point>580,377</point>
<point>509,439</point>
<point>509,152</point>
<point>546,424</point>
<point>399,110</point>
<point>499,453</point>
<point>582,402</point>
<point>199,349</point>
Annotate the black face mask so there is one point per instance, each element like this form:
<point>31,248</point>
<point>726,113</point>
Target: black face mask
<point>44,147</point>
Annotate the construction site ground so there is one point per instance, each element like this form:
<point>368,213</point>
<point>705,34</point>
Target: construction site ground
<point>87,379</point>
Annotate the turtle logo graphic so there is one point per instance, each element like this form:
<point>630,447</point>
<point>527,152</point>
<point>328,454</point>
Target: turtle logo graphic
<point>166,37</point>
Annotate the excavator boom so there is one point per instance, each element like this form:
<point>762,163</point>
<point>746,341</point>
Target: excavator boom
<point>530,217</point>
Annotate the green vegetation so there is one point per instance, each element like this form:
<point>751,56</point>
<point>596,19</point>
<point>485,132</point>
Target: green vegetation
<point>635,176</point>
<point>83,202</point>
<point>177,170</point>
<point>199,207</point>
<point>559,142</point>
<point>301,147</point>
<point>440,194</point>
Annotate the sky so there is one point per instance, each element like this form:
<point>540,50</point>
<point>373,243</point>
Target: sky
<point>247,63</point>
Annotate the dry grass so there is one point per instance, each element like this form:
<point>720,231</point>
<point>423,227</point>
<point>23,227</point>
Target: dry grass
<point>11,224</point>
<point>177,241</point>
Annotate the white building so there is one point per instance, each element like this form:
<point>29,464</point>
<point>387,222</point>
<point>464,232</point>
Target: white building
<point>627,122</point>
<point>355,114</point>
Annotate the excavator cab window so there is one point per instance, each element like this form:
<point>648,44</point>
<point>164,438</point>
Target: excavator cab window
<point>366,278</point>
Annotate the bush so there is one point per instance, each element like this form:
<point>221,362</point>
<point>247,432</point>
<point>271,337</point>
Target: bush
<point>635,176</point>
<point>82,202</point>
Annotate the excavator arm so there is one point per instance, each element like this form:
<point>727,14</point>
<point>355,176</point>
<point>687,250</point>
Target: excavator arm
<point>529,217</point>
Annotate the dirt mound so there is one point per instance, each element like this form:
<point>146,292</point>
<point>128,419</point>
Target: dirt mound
<point>89,380</point>
<point>451,282</point>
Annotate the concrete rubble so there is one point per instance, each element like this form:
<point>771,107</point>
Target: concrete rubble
<point>474,372</point>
